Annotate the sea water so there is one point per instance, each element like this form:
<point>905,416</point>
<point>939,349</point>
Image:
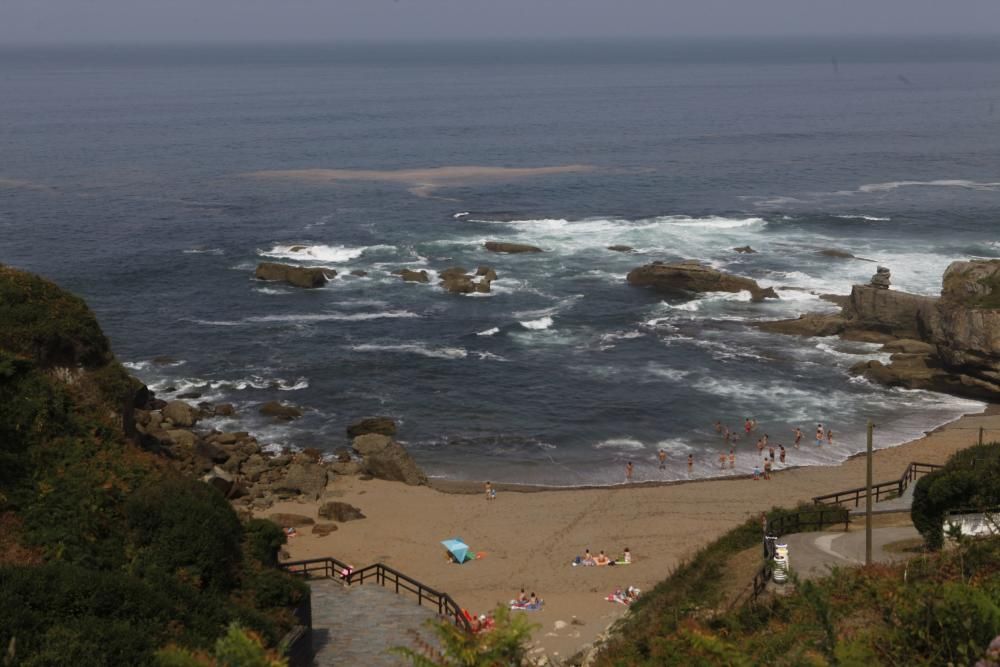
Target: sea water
<point>132,176</point>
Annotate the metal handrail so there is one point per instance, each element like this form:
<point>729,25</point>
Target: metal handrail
<point>898,486</point>
<point>333,568</point>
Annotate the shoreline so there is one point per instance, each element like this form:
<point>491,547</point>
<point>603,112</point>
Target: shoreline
<point>528,536</point>
<point>471,487</point>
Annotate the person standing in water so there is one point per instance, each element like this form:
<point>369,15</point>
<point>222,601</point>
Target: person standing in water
<point>663,458</point>
<point>690,462</point>
<point>732,458</point>
<point>628,471</point>
<point>829,436</point>
<point>781,456</point>
<point>819,435</point>
<point>798,436</point>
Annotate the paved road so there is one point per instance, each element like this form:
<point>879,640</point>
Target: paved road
<point>811,555</point>
<point>357,625</point>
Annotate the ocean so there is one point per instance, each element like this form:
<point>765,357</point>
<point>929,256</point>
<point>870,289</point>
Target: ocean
<point>151,180</point>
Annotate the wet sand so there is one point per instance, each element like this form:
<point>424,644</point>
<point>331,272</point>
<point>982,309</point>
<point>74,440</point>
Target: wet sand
<point>529,539</point>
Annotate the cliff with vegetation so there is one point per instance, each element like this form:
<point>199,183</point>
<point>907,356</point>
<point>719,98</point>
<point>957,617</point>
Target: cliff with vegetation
<point>107,554</point>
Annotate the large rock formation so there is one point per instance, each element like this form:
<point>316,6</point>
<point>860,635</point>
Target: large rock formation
<point>384,458</point>
<point>949,344</point>
<point>693,276</point>
<point>457,280</point>
<point>294,275</point>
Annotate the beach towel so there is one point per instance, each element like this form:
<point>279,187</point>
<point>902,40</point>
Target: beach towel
<point>524,606</point>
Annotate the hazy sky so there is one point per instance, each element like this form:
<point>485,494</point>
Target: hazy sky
<point>285,20</point>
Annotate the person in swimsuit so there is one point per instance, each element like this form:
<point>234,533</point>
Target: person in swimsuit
<point>781,456</point>
<point>628,471</point>
<point>829,436</point>
<point>690,462</point>
<point>767,469</point>
<point>732,458</point>
<point>819,435</point>
<point>601,559</point>
<point>490,493</point>
<point>627,556</point>
<point>798,436</point>
<point>662,454</point>
<point>770,450</point>
<point>722,460</point>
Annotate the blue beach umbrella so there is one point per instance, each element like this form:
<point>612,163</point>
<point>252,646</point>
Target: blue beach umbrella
<point>458,549</point>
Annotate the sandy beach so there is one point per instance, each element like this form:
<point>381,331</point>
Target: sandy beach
<point>529,539</point>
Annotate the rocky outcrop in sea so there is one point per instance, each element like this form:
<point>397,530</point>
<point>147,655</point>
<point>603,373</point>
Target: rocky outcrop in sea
<point>949,343</point>
<point>693,276</point>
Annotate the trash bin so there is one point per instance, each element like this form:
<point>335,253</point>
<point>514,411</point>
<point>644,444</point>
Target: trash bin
<point>780,572</point>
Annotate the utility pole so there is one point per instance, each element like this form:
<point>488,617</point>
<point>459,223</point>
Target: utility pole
<point>868,499</point>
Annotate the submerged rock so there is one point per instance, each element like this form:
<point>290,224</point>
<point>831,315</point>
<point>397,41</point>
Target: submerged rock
<point>746,250</point>
<point>693,276</point>
<point>280,411</point>
<point>621,248</point>
<point>380,425</point>
<point>510,248</point>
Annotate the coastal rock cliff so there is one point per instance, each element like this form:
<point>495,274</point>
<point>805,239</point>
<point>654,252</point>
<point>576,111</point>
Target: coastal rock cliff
<point>693,276</point>
<point>952,342</point>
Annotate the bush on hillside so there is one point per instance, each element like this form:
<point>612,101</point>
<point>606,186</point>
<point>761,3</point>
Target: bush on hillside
<point>62,614</point>
<point>42,322</point>
<point>263,540</point>
<point>185,529</point>
<point>970,479</point>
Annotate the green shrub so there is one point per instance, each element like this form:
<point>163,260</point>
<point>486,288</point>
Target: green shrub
<point>263,540</point>
<point>274,588</point>
<point>40,321</point>
<point>970,479</point>
<point>185,529</point>
<point>950,624</point>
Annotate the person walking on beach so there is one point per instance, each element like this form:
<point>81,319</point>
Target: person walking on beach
<point>756,471</point>
<point>628,471</point>
<point>663,458</point>
<point>798,436</point>
<point>732,458</point>
<point>491,493</point>
<point>781,456</point>
<point>819,435</point>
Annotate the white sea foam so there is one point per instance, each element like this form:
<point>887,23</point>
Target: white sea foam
<point>413,348</point>
<point>322,253</point>
<point>203,251</point>
<point>942,183</point>
<point>625,442</point>
<point>489,356</point>
<point>305,318</point>
<point>489,332</point>
<point>270,290</point>
<point>537,325</point>
<point>458,216</point>
<point>665,372</point>
<point>869,218</point>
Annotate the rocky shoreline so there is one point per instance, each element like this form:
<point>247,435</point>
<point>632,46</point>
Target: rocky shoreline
<point>252,477</point>
<point>948,344</point>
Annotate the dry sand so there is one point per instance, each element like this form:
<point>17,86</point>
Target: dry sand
<point>529,539</point>
<point>422,182</point>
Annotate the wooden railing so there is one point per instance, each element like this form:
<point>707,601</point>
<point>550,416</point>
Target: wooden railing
<point>816,519</point>
<point>882,490</point>
<point>385,576</point>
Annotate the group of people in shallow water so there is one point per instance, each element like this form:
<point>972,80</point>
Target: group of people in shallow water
<point>731,437</point>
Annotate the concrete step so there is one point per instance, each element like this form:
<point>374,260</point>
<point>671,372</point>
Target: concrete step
<point>356,625</point>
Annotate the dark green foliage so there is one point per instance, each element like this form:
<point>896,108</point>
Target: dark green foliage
<point>137,557</point>
<point>61,614</point>
<point>263,540</point>
<point>183,528</point>
<point>274,588</point>
<point>970,480</point>
<point>40,321</point>
<point>949,624</point>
